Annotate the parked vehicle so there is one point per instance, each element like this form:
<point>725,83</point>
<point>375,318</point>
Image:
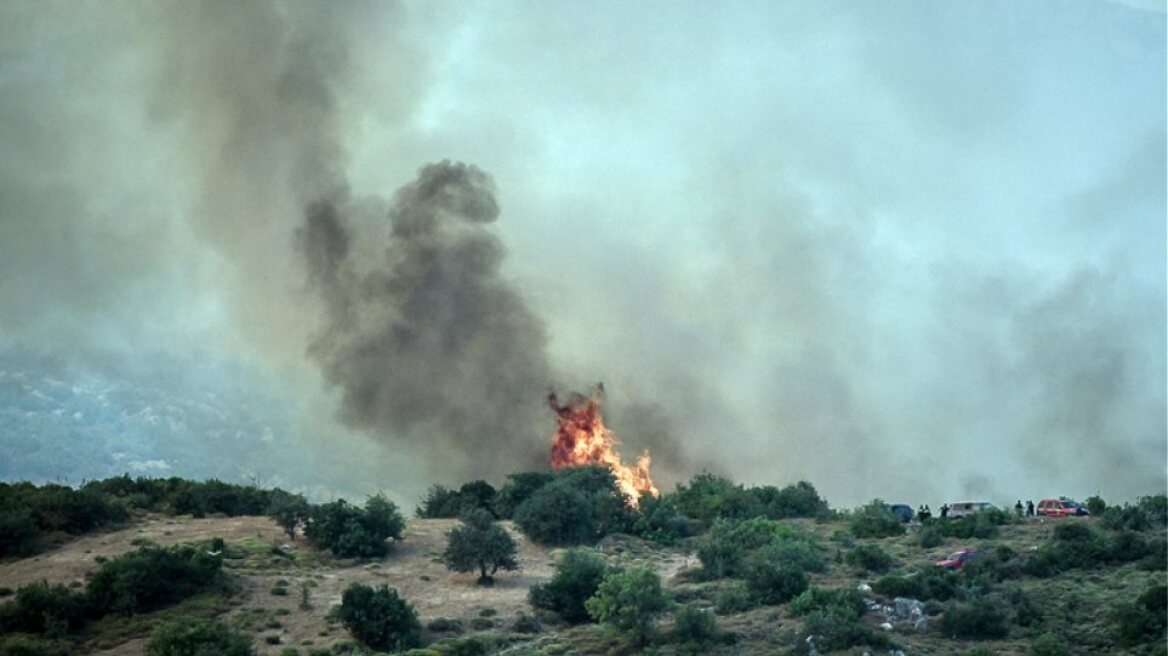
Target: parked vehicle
<point>958,559</point>
<point>1061,507</point>
<point>903,511</point>
<point>960,509</point>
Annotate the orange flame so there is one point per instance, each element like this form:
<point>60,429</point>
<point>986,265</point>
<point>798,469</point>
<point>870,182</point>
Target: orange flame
<point>582,439</point>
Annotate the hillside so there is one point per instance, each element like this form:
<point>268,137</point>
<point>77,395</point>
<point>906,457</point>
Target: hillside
<point>266,598</point>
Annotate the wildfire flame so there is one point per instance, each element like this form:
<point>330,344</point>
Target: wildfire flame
<point>582,439</point>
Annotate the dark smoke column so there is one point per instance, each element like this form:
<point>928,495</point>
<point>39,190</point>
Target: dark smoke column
<point>431,344</point>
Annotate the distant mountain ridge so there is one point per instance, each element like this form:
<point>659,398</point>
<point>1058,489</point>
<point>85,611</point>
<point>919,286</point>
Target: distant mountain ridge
<point>160,415</point>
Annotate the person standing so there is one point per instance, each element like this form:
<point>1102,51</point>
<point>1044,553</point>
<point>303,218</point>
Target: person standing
<point>1018,507</point>
<point>1029,508</point>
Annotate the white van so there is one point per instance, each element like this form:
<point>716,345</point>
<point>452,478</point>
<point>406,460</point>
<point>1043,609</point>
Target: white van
<point>966,508</point>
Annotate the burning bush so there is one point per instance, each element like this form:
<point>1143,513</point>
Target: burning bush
<point>582,439</point>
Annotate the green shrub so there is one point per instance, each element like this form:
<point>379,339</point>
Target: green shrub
<point>379,618</point>
<point>578,575</point>
<point>479,543</point>
<point>659,521</point>
<point>1143,620</point>
<point>774,582</point>
<point>518,488</point>
<point>694,628</point>
<point>930,536</point>
<point>982,618</point>
<point>24,646</point>
<point>1095,505</point>
<point>928,582</point>
<point>629,601</point>
<point>197,638</point>
<point>840,601</point>
<point>834,631</point>
<point>733,599</point>
<point>869,558</point>
<point>726,546</point>
<point>804,555</point>
<point>891,585</point>
<point>441,502</point>
<point>557,515</point>
<point>151,577</point>
<point>1048,644</point>
<point>353,532</point>
<point>875,520</point>
<point>708,497</point>
<point>43,608</point>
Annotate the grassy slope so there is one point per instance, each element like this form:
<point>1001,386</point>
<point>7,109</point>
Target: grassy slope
<point>1075,605</point>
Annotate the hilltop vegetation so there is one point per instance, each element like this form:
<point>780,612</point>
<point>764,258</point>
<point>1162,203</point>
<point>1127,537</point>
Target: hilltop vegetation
<point>776,570</point>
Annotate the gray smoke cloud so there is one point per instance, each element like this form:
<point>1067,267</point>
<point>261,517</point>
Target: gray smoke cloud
<point>432,343</point>
<point>913,252</point>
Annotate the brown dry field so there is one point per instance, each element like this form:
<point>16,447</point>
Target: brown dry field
<point>413,567</point>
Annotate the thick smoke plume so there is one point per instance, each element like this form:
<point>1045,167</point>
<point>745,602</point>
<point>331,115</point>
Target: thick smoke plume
<point>432,342</point>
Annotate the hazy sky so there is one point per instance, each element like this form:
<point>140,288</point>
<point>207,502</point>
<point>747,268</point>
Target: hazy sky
<point>913,250</point>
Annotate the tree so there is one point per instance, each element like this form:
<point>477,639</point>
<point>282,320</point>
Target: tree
<point>379,618</point>
<point>630,601</point>
<point>288,510</point>
<point>479,543</point>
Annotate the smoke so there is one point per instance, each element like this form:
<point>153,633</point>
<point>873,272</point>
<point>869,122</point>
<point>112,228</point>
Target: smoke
<point>432,342</point>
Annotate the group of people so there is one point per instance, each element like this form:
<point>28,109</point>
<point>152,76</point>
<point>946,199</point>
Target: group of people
<point>1028,510</point>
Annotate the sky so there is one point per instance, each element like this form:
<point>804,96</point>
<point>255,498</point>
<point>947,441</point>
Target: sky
<point>910,250</point>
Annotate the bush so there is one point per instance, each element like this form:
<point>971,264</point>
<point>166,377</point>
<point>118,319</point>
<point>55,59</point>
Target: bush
<point>893,586</point>
<point>289,511</point>
<point>151,577</point>
<point>22,646</point>
<point>694,628</point>
<point>834,631</point>
<point>1148,513</point>
<point>774,582</point>
<point>629,601</point>
<point>197,638</point>
<point>930,536</point>
<point>659,521</point>
<point>1095,505</point>
<point>869,558</point>
<point>725,548</point>
<point>708,497</point>
<point>733,599</point>
<point>926,583</point>
<point>804,555</point>
<point>1144,620</point>
<point>441,502</point>
<point>981,618</point>
<point>352,532</point>
<point>798,500</point>
<point>577,577</point>
<point>1048,644</point>
<point>875,520</point>
<point>43,608</point>
<point>557,515</point>
<point>479,543</point>
<point>840,601</point>
<point>379,618</point>
<point>518,488</point>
